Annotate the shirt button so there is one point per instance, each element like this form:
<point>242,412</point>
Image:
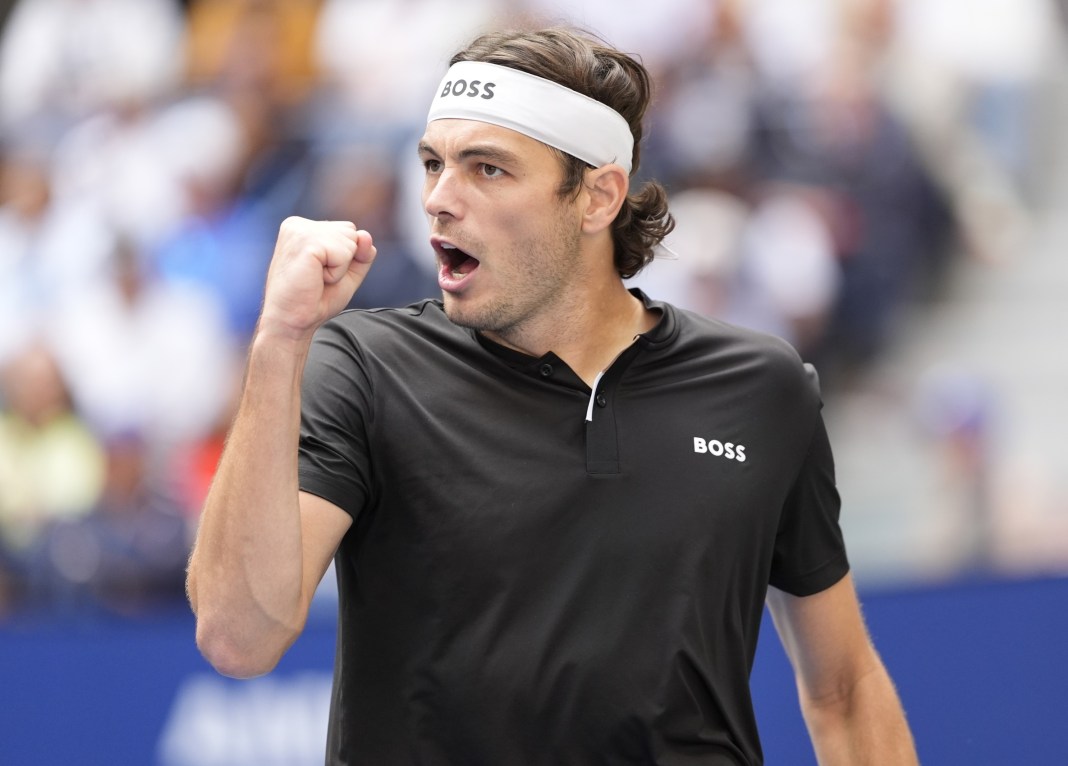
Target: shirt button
<point>602,400</point>
<point>546,370</point>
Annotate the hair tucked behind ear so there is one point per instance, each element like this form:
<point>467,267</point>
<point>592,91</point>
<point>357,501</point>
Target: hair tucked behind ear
<point>587,65</point>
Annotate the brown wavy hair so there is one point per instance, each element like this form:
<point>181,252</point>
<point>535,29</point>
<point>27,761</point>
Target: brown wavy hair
<point>582,62</point>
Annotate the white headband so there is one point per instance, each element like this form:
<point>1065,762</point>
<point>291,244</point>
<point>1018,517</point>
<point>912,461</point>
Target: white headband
<point>536,107</point>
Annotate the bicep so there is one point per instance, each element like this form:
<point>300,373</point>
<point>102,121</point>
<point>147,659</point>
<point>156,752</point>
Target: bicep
<point>825,638</point>
<point>322,526</point>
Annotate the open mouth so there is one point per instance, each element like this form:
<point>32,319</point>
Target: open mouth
<point>455,263</point>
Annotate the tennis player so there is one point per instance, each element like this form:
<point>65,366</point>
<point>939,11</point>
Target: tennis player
<point>556,506</point>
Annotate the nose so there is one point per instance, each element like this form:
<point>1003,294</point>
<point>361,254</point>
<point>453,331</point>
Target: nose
<point>441,194</point>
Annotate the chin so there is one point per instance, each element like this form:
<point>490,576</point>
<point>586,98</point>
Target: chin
<point>458,313</point>
<point>461,313</point>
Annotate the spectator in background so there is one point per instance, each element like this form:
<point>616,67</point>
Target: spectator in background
<point>224,240</point>
<point>789,276</point>
<point>701,131</point>
<point>51,463</point>
<point>236,46</point>
<point>67,58</point>
<point>107,70</point>
<point>145,355</point>
<point>127,166</point>
<point>826,125</point>
<point>49,247</point>
<point>257,56</point>
<point>126,555</point>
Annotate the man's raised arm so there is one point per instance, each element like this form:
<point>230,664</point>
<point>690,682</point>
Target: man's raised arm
<point>262,546</point>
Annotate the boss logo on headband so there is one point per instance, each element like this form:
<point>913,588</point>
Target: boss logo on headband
<point>473,89</point>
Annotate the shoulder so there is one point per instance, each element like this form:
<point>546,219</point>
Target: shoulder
<point>730,352</point>
<point>385,331</point>
<point>362,354</point>
<point>421,317</point>
<point>415,345</point>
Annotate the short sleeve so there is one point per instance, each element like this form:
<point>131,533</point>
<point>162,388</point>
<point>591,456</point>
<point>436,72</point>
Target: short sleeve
<point>810,553</point>
<point>336,409</point>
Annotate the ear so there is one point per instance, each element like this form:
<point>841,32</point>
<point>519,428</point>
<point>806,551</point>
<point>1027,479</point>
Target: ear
<point>606,189</point>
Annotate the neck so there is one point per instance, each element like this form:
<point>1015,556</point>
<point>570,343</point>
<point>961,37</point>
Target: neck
<point>588,331</point>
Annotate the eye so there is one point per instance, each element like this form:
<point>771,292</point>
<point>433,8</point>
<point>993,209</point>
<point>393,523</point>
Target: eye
<point>490,171</point>
<point>432,165</point>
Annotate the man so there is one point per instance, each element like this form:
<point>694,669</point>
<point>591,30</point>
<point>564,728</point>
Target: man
<point>555,506</point>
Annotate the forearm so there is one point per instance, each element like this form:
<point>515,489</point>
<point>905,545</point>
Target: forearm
<point>863,725</point>
<point>245,578</point>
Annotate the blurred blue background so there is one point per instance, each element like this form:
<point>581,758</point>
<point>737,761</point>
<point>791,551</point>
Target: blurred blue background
<point>879,181</point>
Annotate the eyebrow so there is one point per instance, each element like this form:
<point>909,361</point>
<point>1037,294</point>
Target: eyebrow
<point>485,152</point>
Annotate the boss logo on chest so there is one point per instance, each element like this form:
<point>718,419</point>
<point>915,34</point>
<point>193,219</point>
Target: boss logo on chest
<point>472,89</point>
<point>716,448</point>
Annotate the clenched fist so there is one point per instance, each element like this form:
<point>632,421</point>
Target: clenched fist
<point>316,268</point>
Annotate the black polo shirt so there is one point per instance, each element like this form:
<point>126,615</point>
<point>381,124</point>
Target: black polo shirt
<point>538,573</point>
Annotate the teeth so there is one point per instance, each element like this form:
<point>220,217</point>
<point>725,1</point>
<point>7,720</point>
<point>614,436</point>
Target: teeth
<point>446,246</point>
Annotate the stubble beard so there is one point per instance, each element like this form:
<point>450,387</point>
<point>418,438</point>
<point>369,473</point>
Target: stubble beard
<point>530,290</point>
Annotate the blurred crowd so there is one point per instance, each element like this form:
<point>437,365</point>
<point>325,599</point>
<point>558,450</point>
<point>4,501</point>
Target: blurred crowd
<point>827,160</point>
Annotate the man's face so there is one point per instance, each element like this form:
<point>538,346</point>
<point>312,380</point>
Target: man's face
<point>508,246</point>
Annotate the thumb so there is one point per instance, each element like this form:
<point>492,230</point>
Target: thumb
<point>362,258</point>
